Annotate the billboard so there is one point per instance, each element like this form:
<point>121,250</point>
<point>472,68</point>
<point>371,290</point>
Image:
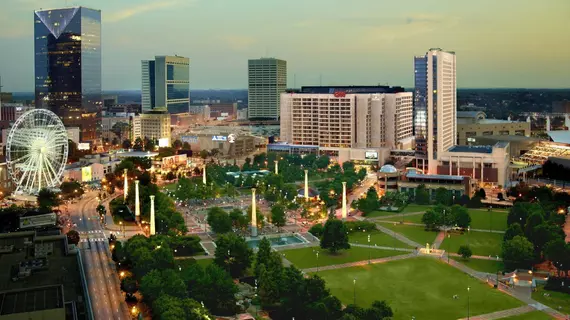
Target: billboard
<point>86,174</point>
<point>219,138</point>
<point>38,221</point>
<point>83,146</point>
<point>371,155</point>
<point>189,139</point>
<point>163,142</point>
<point>232,138</point>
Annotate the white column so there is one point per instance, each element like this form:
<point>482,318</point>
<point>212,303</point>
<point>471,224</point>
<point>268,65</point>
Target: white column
<point>126,185</point>
<point>344,214</point>
<point>276,167</point>
<point>450,165</point>
<point>152,224</point>
<point>567,120</point>
<point>482,167</point>
<point>204,175</point>
<point>137,202</point>
<point>306,185</point>
<point>547,123</point>
<point>473,167</point>
<point>458,166</point>
<point>253,214</point>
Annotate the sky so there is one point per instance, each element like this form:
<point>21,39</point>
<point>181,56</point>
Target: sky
<point>498,43</point>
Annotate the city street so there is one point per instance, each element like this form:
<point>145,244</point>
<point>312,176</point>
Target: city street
<point>103,282</point>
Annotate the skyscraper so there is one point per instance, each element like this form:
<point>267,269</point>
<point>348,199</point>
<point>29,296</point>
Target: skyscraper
<point>166,83</point>
<point>267,79</point>
<point>67,49</point>
<point>435,105</point>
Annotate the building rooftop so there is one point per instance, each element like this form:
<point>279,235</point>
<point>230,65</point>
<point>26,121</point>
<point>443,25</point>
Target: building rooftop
<point>494,121</point>
<point>43,303</point>
<point>351,89</point>
<point>413,174</point>
<point>474,149</point>
<point>137,154</point>
<point>559,136</point>
<point>471,114</point>
<point>388,168</point>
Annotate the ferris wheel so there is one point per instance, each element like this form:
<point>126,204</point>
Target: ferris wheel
<point>36,151</point>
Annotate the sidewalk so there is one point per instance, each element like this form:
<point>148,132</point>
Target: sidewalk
<point>398,236</point>
<point>423,225</point>
<point>439,239</point>
<point>503,313</point>
<point>359,263</point>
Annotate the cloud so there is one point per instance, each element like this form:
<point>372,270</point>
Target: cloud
<point>142,8</point>
<point>239,43</point>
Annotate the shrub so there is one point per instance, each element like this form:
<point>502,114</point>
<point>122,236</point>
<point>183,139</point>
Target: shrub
<point>317,230</point>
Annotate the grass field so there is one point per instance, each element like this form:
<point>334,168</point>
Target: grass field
<point>481,243</point>
<point>556,299</point>
<point>415,233</point>
<point>204,262</point>
<point>377,238</point>
<point>307,257</point>
<point>488,266</point>
<point>416,218</point>
<point>483,219</point>
<point>420,287</point>
<point>409,208</point>
<point>534,315</point>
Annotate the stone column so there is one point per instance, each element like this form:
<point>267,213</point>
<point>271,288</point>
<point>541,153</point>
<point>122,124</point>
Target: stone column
<point>458,166</point>
<point>276,167</point>
<point>137,202</point>
<point>344,213</point>
<point>567,120</point>
<point>450,165</point>
<point>253,214</point>
<point>482,169</point>
<point>204,175</point>
<point>152,224</point>
<point>126,185</point>
<point>306,185</point>
<point>547,123</point>
<point>473,159</point>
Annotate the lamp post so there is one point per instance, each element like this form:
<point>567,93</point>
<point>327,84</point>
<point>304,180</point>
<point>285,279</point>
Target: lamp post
<point>468,289</point>
<point>354,289</point>
<point>498,269</point>
<point>317,262</point>
<point>368,248</point>
<point>468,231</point>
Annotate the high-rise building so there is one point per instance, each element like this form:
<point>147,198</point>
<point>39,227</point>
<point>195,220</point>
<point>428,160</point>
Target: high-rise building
<point>166,83</point>
<point>67,49</point>
<point>154,125</point>
<point>337,120</point>
<point>267,79</point>
<point>435,104</point>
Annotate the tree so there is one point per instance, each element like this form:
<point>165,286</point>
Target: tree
<point>126,144</point>
<point>101,210</point>
<point>317,230</point>
<point>268,287</point>
<point>149,145</point>
<point>204,154</point>
<point>278,215</point>
<point>482,194</point>
<point>239,220</point>
<point>558,252</point>
<point>262,256</point>
<point>518,253</point>
<point>166,281</point>
<point>513,230</point>
<point>544,233</point>
<point>73,237</point>
<point>422,195</point>
<point>370,202</point>
<point>177,144</point>
<point>532,222</point>
<point>129,286</point>
<point>186,146</point>
<point>430,219</point>
<point>233,254</point>
<point>323,162</point>
<point>443,196</point>
<point>460,216</point>
<point>379,310</point>
<point>71,189</point>
<point>47,199</point>
<point>335,236</point>
<point>475,202</point>
<point>465,252</point>
<point>219,220</point>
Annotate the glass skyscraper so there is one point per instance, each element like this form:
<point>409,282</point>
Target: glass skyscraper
<point>166,83</point>
<point>267,79</point>
<point>67,50</point>
<point>435,106</point>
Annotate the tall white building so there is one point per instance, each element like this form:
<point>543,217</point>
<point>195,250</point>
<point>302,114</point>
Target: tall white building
<point>267,79</point>
<point>166,83</point>
<point>435,104</point>
<point>340,120</point>
<point>154,125</point>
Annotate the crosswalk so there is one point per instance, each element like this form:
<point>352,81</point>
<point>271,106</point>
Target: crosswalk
<point>93,240</point>
<point>92,232</point>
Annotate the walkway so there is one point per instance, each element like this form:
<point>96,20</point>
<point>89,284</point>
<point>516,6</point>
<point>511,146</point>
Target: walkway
<point>398,236</point>
<point>439,239</point>
<point>423,225</point>
<point>503,313</point>
<point>381,247</point>
<point>399,215</point>
<point>359,263</point>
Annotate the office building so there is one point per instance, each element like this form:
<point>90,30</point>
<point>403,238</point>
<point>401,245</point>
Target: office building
<point>267,79</point>
<point>471,124</point>
<point>223,110</point>
<point>561,106</point>
<point>166,83</point>
<point>435,104</point>
<point>67,50</point>
<point>154,125</point>
<point>348,126</point>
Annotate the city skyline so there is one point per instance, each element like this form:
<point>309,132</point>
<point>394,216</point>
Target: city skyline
<point>516,44</point>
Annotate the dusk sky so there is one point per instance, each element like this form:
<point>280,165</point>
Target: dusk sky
<point>499,43</point>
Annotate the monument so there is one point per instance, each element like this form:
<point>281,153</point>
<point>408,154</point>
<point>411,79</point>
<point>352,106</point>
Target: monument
<point>204,175</point>
<point>126,185</point>
<point>137,202</point>
<point>344,213</point>
<point>152,223</point>
<point>276,167</point>
<point>253,214</point>
<point>306,185</point>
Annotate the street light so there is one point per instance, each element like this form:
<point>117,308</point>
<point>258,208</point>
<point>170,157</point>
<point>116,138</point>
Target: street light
<point>317,262</point>
<point>369,248</point>
<point>354,288</point>
<point>468,289</point>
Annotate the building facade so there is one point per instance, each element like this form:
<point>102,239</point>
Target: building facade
<point>67,50</point>
<point>435,104</point>
<point>153,125</point>
<point>166,83</point>
<point>267,79</point>
<point>338,120</point>
<point>223,110</point>
<point>471,124</point>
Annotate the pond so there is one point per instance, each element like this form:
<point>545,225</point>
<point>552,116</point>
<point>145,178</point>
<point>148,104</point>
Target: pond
<point>277,241</point>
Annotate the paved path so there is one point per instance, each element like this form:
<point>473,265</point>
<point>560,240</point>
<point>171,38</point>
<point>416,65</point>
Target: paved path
<point>382,247</point>
<point>422,225</point>
<point>503,313</point>
<point>439,239</point>
<point>398,236</point>
<point>399,215</point>
<point>359,263</point>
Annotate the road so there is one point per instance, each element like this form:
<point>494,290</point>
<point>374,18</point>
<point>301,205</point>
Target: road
<point>104,287</point>
<point>361,190</point>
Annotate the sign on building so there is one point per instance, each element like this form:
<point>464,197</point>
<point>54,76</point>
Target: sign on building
<point>189,139</point>
<point>38,221</point>
<point>86,174</point>
<point>371,155</point>
<point>219,138</point>
<point>83,146</point>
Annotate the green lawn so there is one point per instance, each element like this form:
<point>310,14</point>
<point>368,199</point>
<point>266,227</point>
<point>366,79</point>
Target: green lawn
<point>170,186</point>
<point>416,218</point>
<point>534,315</point>
<point>488,266</point>
<point>377,238</point>
<point>556,299</point>
<point>415,233</point>
<point>419,287</point>
<point>204,262</point>
<point>483,219</point>
<point>481,243</point>
<point>409,208</point>
<point>307,257</point>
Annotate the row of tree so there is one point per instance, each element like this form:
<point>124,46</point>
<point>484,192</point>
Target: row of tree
<point>445,216</point>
